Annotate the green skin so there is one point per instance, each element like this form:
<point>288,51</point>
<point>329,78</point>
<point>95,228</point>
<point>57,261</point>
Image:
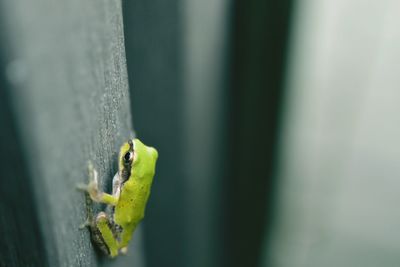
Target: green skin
<point>113,230</point>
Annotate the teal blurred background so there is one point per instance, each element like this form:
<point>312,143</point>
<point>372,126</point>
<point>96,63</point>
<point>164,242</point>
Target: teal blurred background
<point>277,130</point>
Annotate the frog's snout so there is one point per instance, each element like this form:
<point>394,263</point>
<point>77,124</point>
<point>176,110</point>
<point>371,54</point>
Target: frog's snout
<point>152,151</point>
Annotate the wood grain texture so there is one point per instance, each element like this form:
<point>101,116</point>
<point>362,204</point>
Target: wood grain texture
<point>64,72</point>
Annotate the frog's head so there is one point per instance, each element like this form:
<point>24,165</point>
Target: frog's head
<point>137,160</point>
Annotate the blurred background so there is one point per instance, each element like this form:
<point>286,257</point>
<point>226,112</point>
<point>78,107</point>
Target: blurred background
<point>275,123</point>
<point>276,126</point>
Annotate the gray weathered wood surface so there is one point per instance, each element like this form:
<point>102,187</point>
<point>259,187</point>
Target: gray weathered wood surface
<point>65,74</point>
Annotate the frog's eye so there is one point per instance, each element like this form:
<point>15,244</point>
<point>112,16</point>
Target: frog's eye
<point>128,157</point>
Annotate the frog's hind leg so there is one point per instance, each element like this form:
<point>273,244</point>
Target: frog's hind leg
<point>104,235</point>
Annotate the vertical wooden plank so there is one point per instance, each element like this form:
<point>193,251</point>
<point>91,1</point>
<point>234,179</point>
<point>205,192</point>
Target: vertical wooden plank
<point>21,242</point>
<point>259,36</point>
<point>206,48</point>
<point>338,197</point>
<point>154,52</point>
<point>69,90</point>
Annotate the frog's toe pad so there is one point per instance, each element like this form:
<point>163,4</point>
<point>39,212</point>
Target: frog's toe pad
<point>81,187</point>
<point>85,224</point>
<point>124,250</point>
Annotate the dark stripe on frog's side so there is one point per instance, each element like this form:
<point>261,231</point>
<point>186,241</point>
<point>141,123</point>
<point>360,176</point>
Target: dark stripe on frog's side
<point>126,171</point>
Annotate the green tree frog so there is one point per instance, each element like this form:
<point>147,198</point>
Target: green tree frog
<point>112,230</point>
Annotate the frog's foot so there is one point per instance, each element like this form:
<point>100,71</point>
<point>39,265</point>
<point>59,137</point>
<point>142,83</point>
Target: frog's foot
<point>86,223</point>
<point>124,250</point>
<point>92,188</point>
<point>82,187</point>
<point>93,176</point>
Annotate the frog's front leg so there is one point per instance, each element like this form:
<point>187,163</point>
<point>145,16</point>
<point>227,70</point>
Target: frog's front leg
<point>93,189</point>
<point>104,234</point>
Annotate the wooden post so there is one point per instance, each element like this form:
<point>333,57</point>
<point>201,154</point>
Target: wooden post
<point>64,101</point>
